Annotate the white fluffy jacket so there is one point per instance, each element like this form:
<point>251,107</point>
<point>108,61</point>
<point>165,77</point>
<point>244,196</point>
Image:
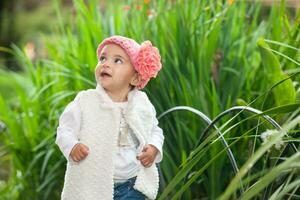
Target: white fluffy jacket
<point>92,178</point>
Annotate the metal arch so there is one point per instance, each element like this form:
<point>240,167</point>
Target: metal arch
<point>244,108</point>
<point>210,124</point>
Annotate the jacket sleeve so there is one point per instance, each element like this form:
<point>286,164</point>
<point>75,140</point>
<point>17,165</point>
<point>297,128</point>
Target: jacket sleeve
<point>157,139</point>
<point>68,128</point>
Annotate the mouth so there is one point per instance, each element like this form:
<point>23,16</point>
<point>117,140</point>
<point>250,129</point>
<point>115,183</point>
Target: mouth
<point>105,74</point>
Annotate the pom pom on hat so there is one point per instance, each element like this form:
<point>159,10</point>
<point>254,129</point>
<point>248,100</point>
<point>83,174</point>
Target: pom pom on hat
<point>147,63</point>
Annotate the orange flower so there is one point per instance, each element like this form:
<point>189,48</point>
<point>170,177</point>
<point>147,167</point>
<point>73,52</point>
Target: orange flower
<point>147,1</point>
<point>149,12</point>
<point>230,2</point>
<point>126,8</point>
<point>30,50</point>
<point>138,7</point>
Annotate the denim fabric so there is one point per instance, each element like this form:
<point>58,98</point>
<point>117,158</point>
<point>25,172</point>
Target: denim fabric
<point>125,191</point>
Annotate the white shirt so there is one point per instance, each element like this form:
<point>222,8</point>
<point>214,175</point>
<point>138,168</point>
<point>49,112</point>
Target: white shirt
<point>126,164</point>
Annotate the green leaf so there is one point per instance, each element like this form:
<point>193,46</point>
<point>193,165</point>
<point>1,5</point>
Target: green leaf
<point>284,93</point>
<point>282,109</point>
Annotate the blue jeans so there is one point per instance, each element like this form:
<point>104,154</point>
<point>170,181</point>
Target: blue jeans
<point>124,191</point>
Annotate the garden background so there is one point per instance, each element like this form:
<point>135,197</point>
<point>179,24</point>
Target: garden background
<point>231,66</point>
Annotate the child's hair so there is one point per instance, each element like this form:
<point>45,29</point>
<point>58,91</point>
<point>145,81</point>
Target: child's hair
<point>144,57</point>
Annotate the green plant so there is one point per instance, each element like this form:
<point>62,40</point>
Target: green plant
<point>211,62</point>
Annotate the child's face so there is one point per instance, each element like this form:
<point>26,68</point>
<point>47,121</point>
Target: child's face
<point>114,70</point>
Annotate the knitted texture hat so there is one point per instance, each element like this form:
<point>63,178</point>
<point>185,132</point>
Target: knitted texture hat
<point>144,57</point>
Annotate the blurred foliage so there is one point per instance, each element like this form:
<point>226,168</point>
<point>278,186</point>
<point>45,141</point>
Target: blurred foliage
<point>22,22</point>
<point>211,62</point>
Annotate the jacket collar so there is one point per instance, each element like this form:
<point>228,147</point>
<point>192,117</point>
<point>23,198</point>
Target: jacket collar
<point>107,101</point>
<point>138,114</point>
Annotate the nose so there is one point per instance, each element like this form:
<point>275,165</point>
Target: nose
<point>105,64</point>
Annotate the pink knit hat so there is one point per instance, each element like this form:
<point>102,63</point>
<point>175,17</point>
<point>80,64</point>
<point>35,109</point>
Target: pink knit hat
<point>145,58</point>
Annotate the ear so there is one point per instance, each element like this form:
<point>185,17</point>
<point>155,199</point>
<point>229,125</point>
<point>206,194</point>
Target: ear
<point>135,79</point>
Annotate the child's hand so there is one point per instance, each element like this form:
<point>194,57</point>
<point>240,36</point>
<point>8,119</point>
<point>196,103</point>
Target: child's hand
<point>79,152</point>
<point>148,155</point>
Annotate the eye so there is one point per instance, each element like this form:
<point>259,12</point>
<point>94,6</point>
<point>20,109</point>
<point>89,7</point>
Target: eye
<point>118,61</point>
<point>102,59</point>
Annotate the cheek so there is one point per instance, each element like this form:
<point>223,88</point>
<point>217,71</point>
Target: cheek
<point>97,70</point>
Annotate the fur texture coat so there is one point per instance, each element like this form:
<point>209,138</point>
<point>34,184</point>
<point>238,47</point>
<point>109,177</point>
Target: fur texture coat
<point>92,178</point>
